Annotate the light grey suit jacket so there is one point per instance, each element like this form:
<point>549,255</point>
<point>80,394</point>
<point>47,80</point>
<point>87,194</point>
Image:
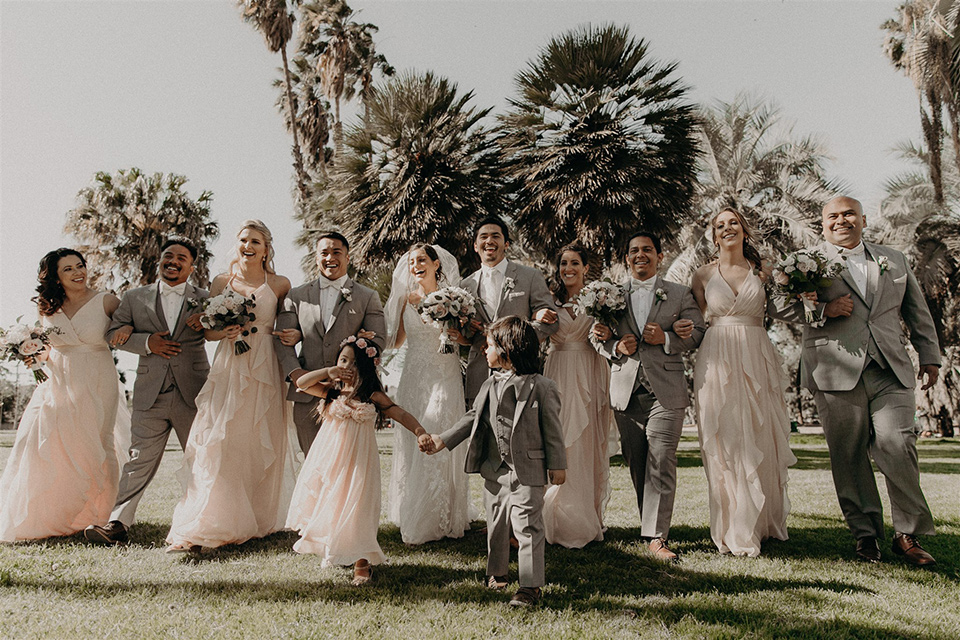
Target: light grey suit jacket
<point>536,443</point>
<point>834,355</point>
<point>525,297</point>
<point>320,347</point>
<point>663,371</point>
<point>140,308</point>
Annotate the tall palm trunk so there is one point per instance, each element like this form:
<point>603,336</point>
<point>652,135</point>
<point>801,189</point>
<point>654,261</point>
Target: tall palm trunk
<point>297,155</point>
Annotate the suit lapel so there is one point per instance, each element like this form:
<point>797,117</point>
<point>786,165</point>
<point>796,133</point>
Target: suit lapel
<point>155,308</point>
<point>847,277</point>
<point>314,296</point>
<point>509,275</point>
<point>522,396</point>
<point>188,293</point>
<point>341,300</point>
<point>473,286</point>
<point>655,303</point>
<point>874,281</point>
<point>631,316</point>
<point>486,392</point>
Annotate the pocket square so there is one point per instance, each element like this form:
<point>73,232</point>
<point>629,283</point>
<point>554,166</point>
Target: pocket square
<point>352,312</point>
<point>534,404</point>
<point>900,280</point>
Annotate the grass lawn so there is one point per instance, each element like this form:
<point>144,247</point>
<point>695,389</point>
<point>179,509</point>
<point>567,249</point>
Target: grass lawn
<point>807,587</point>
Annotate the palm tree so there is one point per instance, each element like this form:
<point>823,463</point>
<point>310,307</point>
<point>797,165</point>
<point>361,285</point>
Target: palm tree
<point>120,222</point>
<point>274,19</point>
<point>311,117</point>
<point>754,165</point>
<point>421,170</point>
<point>599,141</point>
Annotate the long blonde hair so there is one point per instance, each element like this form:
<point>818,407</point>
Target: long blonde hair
<point>750,251</point>
<point>258,226</point>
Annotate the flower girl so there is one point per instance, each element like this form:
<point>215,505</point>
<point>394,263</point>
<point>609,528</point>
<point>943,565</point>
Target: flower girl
<point>336,503</point>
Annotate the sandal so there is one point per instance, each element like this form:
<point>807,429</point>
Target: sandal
<point>362,575</point>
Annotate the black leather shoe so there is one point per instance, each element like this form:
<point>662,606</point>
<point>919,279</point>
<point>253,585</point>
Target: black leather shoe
<point>868,550</point>
<point>907,546</point>
<point>114,532</point>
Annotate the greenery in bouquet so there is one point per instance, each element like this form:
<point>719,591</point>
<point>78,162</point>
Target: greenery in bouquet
<point>230,309</point>
<point>448,308</point>
<point>21,342</point>
<point>805,271</point>
<point>603,300</point>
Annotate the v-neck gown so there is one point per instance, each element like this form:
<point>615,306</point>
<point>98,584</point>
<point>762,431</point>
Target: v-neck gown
<point>744,427</point>
<point>62,473</point>
<point>236,468</point>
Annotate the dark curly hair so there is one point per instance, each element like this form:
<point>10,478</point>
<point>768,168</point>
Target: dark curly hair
<point>50,294</point>
<point>559,290</point>
<point>428,249</point>
<point>367,378</point>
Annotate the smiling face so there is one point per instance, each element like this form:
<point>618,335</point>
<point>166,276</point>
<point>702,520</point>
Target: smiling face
<point>251,247</point>
<point>572,270</point>
<point>642,258</point>
<point>332,258</point>
<point>176,264</point>
<point>72,273</point>
<point>727,230</point>
<point>490,244</point>
<point>422,268</point>
<point>843,222</point>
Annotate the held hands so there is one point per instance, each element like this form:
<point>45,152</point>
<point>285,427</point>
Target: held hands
<point>683,328</point>
<point>602,332</point>
<point>163,347</point>
<point>546,316</point>
<point>425,442</point>
<point>842,306</point>
<point>288,337</point>
<point>931,372</point>
<point>121,336</point>
<point>436,444</point>
<point>557,476</point>
<point>627,345</point>
<point>194,322</point>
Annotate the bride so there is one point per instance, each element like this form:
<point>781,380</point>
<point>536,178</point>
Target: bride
<point>428,494</point>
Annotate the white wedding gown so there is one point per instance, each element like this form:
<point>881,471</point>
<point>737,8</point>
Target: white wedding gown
<point>428,495</point>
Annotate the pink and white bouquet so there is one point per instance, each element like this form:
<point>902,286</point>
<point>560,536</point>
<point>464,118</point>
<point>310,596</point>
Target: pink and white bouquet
<point>604,301</point>
<point>230,309</point>
<point>448,308</point>
<point>805,272</point>
<point>20,342</point>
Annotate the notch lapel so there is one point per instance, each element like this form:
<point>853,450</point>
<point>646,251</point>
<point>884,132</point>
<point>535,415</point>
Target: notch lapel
<point>509,274</point>
<point>473,286</point>
<point>655,304</point>
<point>313,295</point>
<point>188,293</point>
<point>522,396</point>
<point>341,300</point>
<point>874,281</point>
<point>631,316</point>
<point>155,308</point>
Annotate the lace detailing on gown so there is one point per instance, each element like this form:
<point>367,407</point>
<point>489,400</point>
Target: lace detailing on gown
<point>743,423</point>
<point>63,472</point>
<point>235,467</point>
<point>428,495</point>
<point>336,503</point>
<point>573,511</point>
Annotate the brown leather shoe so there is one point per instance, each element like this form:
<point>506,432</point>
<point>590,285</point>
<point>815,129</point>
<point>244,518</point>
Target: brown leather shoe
<point>114,532</point>
<point>526,597</point>
<point>658,546</point>
<point>907,546</point>
<point>498,583</point>
<point>868,550</point>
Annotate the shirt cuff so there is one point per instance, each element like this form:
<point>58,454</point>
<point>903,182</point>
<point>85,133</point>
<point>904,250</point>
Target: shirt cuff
<point>666,343</point>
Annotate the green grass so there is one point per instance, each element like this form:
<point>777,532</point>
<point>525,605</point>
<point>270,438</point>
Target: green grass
<point>807,587</point>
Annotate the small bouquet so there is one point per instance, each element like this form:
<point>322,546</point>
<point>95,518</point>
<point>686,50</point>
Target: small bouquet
<point>229,309</point>
<point>804,272</point>
<point>447,308</point>
<point>603,300</point>
<point>21,341</point>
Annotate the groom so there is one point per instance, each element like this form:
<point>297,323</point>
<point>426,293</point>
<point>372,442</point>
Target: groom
<point>648,390</point>
<point>173,367</point>
<point>324,313</point>
<point>502,288</point>
<point>862,380</point>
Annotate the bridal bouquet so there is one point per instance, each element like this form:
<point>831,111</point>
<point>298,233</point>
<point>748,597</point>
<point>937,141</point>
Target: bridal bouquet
<point>805,272</point>
<point>21,341</point>
<point>603,300</point>
<point>229,309</point>
<point>447,308</point>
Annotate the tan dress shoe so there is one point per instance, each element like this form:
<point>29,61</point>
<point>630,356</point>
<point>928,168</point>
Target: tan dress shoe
<point>658,547</point>
<point>909,547</point>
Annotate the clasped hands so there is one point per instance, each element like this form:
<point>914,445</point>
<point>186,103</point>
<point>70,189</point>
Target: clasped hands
<point>627,345</point>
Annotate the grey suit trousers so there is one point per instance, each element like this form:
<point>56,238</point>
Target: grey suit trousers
<point>517,507</point>
<point>649,436</point>
<point>149,432</point>
<point>875,420</point>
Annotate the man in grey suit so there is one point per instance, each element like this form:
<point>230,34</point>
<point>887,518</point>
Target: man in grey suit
<point>502,288</point>
<point>857,367</point>
<point>648,390</point>
<point>324,313</point>
<point>173,367</point>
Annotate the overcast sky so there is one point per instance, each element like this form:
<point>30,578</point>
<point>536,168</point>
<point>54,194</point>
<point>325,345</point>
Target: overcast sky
<point>185,86</point>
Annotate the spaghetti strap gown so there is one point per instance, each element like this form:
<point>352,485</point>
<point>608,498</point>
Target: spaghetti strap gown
<point>573,511</point>
<point>62,473</point>
<point>744,426</point>
<point>235,465</point>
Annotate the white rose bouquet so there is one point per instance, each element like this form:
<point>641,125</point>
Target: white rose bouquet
<point>804,272</point>
<point>230,309</point>
<point>447,308</point>
<point>604,301</point>
<point>20,342</point>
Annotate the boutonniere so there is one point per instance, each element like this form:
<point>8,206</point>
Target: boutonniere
<point>346,294</point>
<point>508,285</point>
<point>660,295</point>
<point>883,263</point>
<point>192,303</point>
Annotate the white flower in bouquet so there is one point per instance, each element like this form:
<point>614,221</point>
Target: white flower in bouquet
<point>20,342</point>
<point>603,300</point>
<point>447,308</point>
<point>230,309</point>
<point>805,272</point>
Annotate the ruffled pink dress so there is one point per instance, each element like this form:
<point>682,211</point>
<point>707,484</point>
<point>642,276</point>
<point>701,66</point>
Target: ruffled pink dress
<point>336,503</point>
<point>235,471</point>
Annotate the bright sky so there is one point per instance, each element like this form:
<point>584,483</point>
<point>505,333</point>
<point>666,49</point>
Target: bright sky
<point>185,86</point>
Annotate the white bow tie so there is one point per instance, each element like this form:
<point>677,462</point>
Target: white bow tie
<point>646,285</point>
<point>167,290</point>
<point>858,250</point>
<point>329,284</point>
<point>502,376</point>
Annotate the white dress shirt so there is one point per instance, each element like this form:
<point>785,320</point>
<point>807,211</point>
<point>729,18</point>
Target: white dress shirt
<point>642,297</point>
<point>329,295</point>
<point>857,264</point>
<point>491,285</point>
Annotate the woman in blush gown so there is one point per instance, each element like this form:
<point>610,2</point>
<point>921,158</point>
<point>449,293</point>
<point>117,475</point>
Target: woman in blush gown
<point>573,511</point>
<point>428,495</point>
<point>63,472</point>
<point>739,386</point>
<point>235,472</point>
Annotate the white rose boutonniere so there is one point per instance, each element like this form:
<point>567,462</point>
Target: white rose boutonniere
<point>509,285</point>
<point>660,295</point>
<point>883,263</point>
<point>346,294</point>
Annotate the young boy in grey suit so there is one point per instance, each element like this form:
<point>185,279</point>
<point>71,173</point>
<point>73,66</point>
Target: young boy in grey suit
<point>516,445</point>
